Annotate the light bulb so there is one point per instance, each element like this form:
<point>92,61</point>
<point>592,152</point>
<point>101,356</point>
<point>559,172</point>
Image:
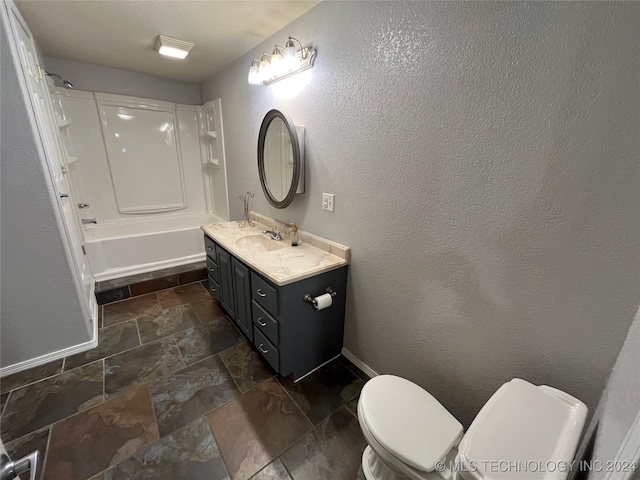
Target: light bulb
<point>290,57</point>
<point>254,78</point>
<point>264,71</point>
<point>276,64</point>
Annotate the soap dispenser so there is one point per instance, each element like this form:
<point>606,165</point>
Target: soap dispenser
<point>294,235</point>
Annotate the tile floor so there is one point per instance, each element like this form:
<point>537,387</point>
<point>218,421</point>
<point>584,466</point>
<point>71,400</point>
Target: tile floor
<point>173,391</point>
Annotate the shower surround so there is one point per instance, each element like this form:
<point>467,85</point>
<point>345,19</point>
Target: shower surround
<point>148,172</point>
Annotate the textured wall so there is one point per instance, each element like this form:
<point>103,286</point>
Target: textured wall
<point>94,78</point>
<point>484,159</point>
<point>41,310</point>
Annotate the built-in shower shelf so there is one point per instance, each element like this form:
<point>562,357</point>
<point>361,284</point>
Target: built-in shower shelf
<point>62,124</point>
<point>210,134</point>
<point>71,160</point>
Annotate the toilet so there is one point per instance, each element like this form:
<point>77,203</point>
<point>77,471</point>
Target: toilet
<point>523,432</point>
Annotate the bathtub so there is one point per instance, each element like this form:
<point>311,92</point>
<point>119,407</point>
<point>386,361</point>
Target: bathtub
<point>118,250</point>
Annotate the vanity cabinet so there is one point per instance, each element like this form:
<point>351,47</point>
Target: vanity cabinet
<point>227,298</point>
<point>242,293</point>
<point>292,336</point>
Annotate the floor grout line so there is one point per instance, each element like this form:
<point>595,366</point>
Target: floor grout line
<point>35,381</point>
<point>46,452</point>
<point>175,340</point>
<point>138,330</point>
<point>6,402</point>
<point>292,399</point>
<point>104,380</point>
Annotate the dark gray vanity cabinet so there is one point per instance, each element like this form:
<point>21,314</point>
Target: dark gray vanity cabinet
<point>226,281</point>
<point>292,336</point>
<point>212,268</point>
<point>242,291</point>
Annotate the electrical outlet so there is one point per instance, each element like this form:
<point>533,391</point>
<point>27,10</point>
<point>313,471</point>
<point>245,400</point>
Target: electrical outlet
<point>327,202</point>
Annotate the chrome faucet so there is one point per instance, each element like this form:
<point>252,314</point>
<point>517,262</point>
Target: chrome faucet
<point>87,221</point>
<point>274,233</point>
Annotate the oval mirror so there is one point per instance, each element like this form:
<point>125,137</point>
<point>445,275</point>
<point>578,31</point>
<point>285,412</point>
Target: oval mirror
<point>278,158</point>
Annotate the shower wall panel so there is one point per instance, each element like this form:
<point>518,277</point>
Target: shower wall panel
<point>130,158</point>
<point>143,153</point>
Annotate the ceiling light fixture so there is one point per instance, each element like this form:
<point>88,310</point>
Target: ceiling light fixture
<point>172,47</point>
<point>281,63</point>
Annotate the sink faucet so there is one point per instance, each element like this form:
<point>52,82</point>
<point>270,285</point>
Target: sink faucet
<point>274,233</point>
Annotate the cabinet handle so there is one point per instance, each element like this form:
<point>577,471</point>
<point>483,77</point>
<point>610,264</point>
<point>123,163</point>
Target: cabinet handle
<point>260,293</point>
<point>212,289</point>
<point>263,351</point>
<point>261,324</point>
<point>209,248</point>
<point>211,269</point>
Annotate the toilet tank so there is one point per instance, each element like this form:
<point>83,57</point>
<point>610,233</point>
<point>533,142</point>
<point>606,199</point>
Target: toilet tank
<point>523,432</point>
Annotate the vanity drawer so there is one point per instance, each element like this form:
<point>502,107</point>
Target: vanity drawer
<point>214,288</point>
<point>267,349</point>
<point>265,322</point>
<point>265,294</point>
<point>209,247</point>
<point>212,269</point>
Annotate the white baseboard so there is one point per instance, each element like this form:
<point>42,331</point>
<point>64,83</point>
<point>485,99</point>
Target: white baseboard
<point>359,363</point>
<point>50,357</point>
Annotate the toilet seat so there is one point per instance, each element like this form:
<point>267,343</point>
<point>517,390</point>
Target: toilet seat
<point>408,422</point>
<point>532,427</point>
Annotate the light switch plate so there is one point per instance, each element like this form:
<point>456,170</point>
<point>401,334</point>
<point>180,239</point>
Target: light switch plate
<point>327,202</point>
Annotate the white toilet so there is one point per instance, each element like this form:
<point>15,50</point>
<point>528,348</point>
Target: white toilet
<point>524,431</point>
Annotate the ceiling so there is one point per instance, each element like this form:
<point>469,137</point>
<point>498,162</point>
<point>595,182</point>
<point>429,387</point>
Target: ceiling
<point>121,34</point>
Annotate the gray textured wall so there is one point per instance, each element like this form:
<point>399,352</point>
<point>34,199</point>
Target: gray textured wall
<point>41,310</point>
<point>95,78</point>
<point>484,158</point>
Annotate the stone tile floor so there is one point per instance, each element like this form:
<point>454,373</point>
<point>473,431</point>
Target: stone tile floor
<point>173,391</point>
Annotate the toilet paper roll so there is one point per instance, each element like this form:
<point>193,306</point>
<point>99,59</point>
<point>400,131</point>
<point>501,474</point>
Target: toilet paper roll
<point>323,301</point>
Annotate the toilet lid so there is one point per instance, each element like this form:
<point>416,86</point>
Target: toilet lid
<point>408,422</point>
<point>523,431</point>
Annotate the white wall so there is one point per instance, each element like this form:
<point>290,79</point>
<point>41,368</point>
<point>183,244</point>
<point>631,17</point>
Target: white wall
<point>484,159</point>
<point>40,303</point>
<point>95,78</point>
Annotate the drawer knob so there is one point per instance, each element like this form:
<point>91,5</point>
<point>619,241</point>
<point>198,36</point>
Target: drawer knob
<point>213,289</point>
<point>209,248</point>
<point>259,292</point>
<point>263,351</point>
<point>261,324</point>
<point>211,269</point>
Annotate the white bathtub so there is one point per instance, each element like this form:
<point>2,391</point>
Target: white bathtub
<point>118,250</point>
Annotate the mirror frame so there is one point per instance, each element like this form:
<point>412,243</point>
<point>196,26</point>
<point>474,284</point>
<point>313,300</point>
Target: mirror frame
<point>268,118</point>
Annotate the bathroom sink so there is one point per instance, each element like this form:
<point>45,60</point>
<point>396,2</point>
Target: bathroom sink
<point>258,243</point>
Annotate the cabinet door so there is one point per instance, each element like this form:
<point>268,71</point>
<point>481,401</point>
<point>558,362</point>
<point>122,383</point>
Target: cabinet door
<point>226,281</point>
<point>242,287</point>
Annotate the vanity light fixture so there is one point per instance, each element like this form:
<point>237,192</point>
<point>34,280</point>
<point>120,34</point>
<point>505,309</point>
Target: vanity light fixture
<point>281,63</point>
<point>172,47</point>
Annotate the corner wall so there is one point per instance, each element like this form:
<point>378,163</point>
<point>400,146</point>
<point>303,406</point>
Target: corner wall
<point>484,161</point>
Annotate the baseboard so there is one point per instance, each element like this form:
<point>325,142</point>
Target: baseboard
<point>359,363</point>
<point>50,357</point>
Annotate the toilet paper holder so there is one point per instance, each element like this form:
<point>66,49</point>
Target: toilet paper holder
<point>311,301</point>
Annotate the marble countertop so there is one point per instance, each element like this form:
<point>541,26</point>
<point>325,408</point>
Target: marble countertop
<point>312,256</point>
